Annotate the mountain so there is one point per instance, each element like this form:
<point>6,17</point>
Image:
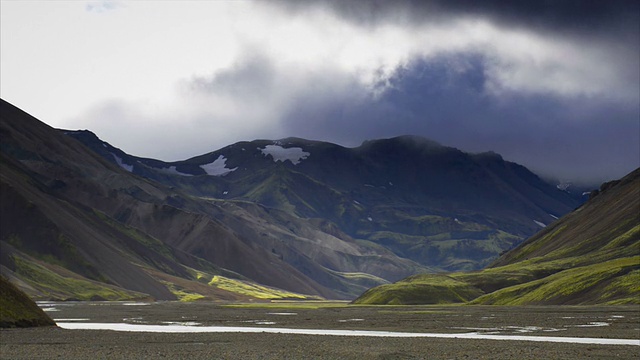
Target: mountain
<point>434,205</point>
<point>76,226</point>
<point>18,310</point>
<point>263,219</point>
<point>590,256</point>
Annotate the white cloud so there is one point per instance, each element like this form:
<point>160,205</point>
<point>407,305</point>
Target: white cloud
<point>187,77</point>
<point>103,5</point>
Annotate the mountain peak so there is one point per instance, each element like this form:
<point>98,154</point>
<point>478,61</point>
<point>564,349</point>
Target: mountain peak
<point>406,140</point>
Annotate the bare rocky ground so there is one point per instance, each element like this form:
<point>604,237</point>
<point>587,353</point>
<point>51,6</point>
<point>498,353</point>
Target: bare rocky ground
<point>594,322</point>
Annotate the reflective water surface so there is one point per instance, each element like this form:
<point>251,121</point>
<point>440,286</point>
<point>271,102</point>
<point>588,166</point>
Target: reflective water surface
<point>175,328</point>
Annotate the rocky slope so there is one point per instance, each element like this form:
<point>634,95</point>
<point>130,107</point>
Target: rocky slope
<point>262,219</point>
<point>75,226</point>
<point>590,256</point>
<point>432,204</point>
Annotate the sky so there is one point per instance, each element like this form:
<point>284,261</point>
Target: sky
<point>552,85</point>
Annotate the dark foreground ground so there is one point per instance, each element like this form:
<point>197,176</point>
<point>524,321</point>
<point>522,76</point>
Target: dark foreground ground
<point>593,322</point>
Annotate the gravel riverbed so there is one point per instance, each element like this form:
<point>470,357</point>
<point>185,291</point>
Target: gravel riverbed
<point>590,322</point>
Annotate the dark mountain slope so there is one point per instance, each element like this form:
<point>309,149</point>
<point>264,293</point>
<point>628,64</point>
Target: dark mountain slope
<point>75,225</point>
<point>590,256</point>
<point>614,212</point>
<point>432,204</point>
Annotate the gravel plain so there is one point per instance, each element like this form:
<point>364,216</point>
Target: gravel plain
<point>593,322</point>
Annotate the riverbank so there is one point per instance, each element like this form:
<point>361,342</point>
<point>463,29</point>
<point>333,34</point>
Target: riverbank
<point>589,322</point>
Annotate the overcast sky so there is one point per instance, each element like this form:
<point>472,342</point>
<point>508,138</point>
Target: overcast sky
<point>553,85</point>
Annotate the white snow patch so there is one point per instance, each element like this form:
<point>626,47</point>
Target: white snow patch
<point>278,153</point>
<point>586,193</point>
<point>172,170</point>
<point>104,145</point>
<point>553,216</point>
<point>457,221</point>
<point>225,192</point>
<point>369,218</point>
<point>539,223</point>
<point>218,167</point>
<point>129,168</point>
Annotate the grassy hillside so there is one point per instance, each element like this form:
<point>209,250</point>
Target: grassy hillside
<point>590,256</point>
<point>434,205</point>
<point>18,310</point>
<point>76,226</point>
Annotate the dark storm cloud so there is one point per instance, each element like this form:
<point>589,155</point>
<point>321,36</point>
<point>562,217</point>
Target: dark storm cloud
<point>568,108</point>
<point>571,15</point>
<point>253,77</point>
<point>611,25</point>
<point>444,99</point>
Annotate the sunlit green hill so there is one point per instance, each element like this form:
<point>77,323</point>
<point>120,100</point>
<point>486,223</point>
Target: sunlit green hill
<point>590,256</point>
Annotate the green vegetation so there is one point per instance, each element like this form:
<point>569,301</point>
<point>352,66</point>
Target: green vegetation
<point>18,310</point>
<point>56,249</point>
<point>570,285</point>
<point>430,289</point>
<point>253,290</point>
<point>591,256</point>
<point>56,286</point>
<point>183,295</point>
<point>445,242</point>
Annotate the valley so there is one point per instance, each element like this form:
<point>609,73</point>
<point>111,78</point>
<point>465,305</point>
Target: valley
<point>294,218</point>
<point>190,337</point>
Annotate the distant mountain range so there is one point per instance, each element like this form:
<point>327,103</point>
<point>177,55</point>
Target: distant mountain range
<point>590,256</point>
<point>262,219</point>
<point>432,204</point>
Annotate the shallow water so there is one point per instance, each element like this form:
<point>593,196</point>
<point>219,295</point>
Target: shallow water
<point>175,328</point>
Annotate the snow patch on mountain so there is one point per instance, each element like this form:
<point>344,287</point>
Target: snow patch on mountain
<point>278,153</point>
<point>127,167</point>
<point>541,224</point>
<point>218,167</point>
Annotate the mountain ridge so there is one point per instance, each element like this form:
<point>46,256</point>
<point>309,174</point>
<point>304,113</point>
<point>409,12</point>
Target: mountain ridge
<point>589,256</point>
<point>88,221</point>
<point>133,234</point>
<point>412,176</point>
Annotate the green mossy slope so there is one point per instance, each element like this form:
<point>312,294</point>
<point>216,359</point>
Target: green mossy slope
<point>591,256</point>
<point>18,310</point>
<point>421,289</point>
